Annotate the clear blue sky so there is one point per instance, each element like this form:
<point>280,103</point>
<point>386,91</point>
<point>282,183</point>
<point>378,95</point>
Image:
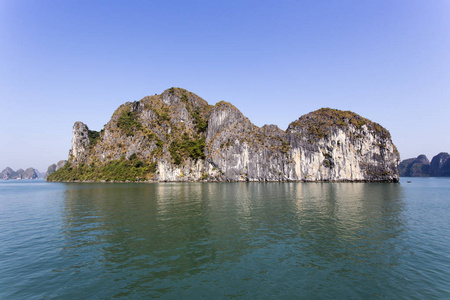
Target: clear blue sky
<point>67,61</point>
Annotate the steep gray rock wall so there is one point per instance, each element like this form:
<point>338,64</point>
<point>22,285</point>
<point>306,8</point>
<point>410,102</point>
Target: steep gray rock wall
<point>340,145</point>
<point>355,154</point>
<point>338,153</point>
<point>244,152</point>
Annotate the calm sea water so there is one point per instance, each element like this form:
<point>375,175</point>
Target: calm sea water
<point>225,240</point>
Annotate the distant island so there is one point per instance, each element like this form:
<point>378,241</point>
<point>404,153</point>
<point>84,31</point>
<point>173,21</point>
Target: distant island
<point>54,167</point>
<point>30,173</point>
<point>178,136</point>
<point>422,167</point>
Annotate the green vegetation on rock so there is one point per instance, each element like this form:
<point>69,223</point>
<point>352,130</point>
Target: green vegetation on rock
<point>201,123</point>
<point>115,170</point>
<point>94,137</point>
<point>128,122</point>
<point>319,123</point>
<point>193,148</point>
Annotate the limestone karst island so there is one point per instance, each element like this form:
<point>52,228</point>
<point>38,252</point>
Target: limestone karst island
<point>178,136</point>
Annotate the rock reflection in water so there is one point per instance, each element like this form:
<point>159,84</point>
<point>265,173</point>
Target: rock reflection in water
<point>232,239</point>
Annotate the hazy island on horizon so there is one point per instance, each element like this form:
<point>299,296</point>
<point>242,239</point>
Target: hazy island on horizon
<point>29,173</point>
<point>422,167</point>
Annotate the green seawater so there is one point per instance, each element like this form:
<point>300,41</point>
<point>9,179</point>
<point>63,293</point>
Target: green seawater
<point>225,240</point>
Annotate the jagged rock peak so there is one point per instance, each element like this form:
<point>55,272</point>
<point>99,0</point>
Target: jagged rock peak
<point>224,116</point>
<point>80,139</point>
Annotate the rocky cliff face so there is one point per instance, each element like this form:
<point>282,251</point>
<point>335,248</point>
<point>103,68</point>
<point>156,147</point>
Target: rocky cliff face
<point>240,151</point>
<point>177,136</point>
<point>340,145</point>
<point>80,141</point>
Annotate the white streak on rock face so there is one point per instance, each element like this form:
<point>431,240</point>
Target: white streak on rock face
<point>80,140</point>
<point>168,99</point>
<point>190,171</point>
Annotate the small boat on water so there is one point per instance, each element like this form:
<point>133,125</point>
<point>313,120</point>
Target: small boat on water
<point>409,181</point>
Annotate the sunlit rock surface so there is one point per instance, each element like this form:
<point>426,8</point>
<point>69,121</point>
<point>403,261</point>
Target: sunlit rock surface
<point>177,136</point>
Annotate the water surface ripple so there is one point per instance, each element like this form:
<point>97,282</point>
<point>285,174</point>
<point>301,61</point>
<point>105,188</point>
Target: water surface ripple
<point>225,240</point>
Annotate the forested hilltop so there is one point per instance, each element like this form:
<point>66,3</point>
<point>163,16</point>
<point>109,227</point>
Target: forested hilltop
<point>178,136</point>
